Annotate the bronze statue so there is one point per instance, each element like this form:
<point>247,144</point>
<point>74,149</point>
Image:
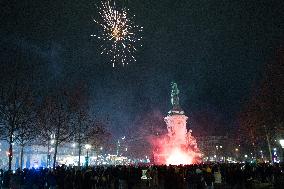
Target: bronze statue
<point>174,95</point>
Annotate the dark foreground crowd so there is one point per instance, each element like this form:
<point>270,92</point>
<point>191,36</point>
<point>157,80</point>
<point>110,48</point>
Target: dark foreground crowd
<point>203,176</point>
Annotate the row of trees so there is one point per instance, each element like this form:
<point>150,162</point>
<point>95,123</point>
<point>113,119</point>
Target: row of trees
<point>29,117</point>
<point>262,119</point>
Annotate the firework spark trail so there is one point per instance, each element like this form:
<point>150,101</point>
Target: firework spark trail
<point>119,34</point>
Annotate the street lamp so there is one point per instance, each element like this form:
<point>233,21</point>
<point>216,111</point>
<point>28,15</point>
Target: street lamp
<point>87,146</point>
<point>237,153</point>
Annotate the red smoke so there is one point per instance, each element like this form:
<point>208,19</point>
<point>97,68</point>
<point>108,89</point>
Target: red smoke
<point>177,146</point>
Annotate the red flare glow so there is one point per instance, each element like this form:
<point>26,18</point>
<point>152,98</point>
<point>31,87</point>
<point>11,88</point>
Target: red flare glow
<point>178,157</point>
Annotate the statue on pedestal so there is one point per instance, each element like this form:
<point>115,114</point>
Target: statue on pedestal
<point>175,100</point>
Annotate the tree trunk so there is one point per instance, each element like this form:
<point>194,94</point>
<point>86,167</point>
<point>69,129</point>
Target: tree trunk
<point>269,147</point>
<point>268,144</point>
<point>10,155</point>
<point>55,153</point>
<point>80,150</point>
<point>56,142</point>
<point>79,141</point>
<point>48,155</point>
<point>97,157</point>
<point>22,156</point>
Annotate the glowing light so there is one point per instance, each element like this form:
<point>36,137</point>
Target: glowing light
<point>281,141</point>
<point>178,157</point>
<point>120,35</point>
<point>88,146</point>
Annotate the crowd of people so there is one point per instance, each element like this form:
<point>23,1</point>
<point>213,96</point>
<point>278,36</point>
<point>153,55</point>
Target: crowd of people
<point>202,176</point>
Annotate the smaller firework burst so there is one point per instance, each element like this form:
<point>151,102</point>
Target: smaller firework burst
<point>119,35</point>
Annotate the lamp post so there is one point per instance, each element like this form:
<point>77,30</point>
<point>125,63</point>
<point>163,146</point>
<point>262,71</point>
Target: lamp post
<point>237,153</point>
<point>87,146</point>
<point>218,153</point>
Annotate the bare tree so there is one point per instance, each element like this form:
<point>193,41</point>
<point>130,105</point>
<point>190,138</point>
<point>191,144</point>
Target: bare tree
<point>98,134</point>
<point>80,118</point>
<point>17,97</point>
<point>55,121</point>
<point>263,117</point>
<point>15,112</point>
<point>45,125</point>
<point>25,136</point>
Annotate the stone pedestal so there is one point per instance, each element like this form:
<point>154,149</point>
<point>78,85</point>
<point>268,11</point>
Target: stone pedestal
<point>176,126</point>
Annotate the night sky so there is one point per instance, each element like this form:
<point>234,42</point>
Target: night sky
<point>215,51</point>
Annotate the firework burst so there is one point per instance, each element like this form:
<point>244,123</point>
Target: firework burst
<point>119,33</point>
